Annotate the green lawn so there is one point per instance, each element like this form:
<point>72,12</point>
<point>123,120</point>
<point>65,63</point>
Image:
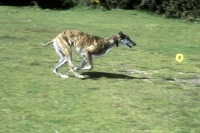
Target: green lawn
<point>138,90</point>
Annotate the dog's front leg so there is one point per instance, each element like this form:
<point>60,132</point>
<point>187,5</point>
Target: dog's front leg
<point>73,70</point>
<point>89,60</point>
<point>84,61</point>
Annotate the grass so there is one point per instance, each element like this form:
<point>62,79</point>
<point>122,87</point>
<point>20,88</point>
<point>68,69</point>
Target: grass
<point>139,90</point>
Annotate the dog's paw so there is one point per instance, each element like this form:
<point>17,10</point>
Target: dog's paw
<point>77,68</point>
<point>64,76</point>
<point>80,76</point>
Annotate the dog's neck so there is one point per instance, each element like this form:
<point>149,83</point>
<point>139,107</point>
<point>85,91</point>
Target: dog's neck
<point>112,41</point>
<point>108,44</point>
<point>115,39</point>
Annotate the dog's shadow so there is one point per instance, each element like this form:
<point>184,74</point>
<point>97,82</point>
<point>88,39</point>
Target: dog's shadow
<point>97,75</point>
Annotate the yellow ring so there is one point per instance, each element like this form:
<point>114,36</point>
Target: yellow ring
<point>179,57</point>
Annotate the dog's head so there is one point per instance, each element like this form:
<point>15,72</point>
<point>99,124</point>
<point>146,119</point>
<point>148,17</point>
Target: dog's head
<point>125,40</point>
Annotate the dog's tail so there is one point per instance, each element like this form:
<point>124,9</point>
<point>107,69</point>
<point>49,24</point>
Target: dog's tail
<point>44,45</point>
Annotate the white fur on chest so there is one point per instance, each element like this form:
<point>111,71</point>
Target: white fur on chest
<point>100,55</point>
<point>83,52</point>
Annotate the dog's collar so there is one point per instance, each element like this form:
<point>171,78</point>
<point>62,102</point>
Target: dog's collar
<point>115,39</point>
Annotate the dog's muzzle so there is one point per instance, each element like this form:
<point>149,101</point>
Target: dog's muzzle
<point>131,45</point>
<point>128,45</point>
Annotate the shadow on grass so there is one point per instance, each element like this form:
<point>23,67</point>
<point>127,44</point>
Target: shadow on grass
<point>97,75</point>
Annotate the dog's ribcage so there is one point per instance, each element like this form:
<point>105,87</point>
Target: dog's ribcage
<point>83,42</point>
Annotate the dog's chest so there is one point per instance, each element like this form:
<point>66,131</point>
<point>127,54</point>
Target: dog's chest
<point>83,52</point>
<point>101,54</point>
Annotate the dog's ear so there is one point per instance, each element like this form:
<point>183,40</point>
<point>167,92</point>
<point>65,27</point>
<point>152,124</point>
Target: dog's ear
<point>121,33</point>
<point>115,39</point>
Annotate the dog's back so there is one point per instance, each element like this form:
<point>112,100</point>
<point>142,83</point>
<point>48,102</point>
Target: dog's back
<point>80,39</point>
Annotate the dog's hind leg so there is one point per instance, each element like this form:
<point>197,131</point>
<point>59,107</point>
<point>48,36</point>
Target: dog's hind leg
<point>61,62</point>
<point>66,52</point>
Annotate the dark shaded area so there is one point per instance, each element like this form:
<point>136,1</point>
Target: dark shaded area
<point>58,4</point>
<point>52,4</point>
<point>97,75</point>
<point>15,2</point>
<point>123,4</point>
<point>187,9</point>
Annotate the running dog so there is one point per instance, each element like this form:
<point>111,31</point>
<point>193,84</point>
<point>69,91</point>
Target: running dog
<point>88,46</point>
